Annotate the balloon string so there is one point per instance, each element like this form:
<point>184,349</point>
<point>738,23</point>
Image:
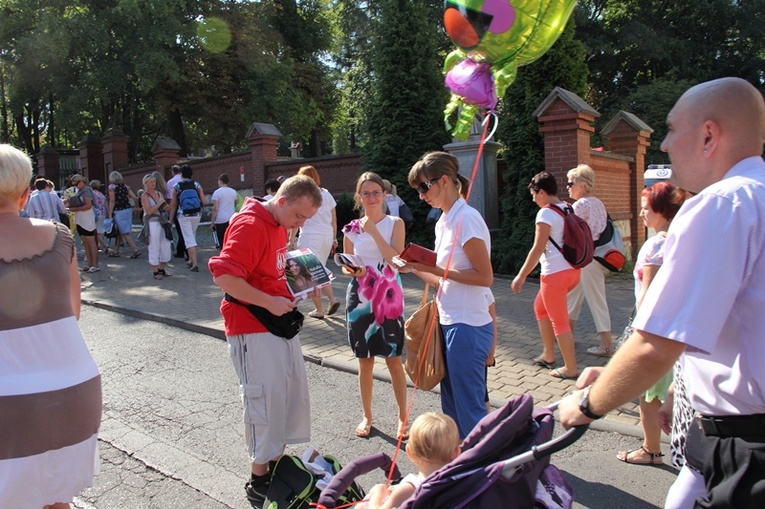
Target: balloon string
<point>432,323</point>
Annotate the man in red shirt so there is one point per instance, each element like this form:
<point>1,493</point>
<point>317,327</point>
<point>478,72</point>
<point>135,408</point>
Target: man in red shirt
<point>273,382</point>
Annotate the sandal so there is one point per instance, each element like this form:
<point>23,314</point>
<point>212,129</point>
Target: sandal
<point>600,351</point>
<point>135,254</point>
<point>164,274</point>
<point>363,431</point>
<point>557,373</point>
<point>114,254</point>
<point>158,276</point>
<point>93,269</point>
<point>333,307</point>
<point>84,269</point>
<point>539,361</point>
<point>654,458</point>
<point>402,433</point>
<point>195,268</point>
<point>317,315</point>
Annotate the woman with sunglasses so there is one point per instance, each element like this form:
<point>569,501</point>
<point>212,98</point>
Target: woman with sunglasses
<point>462,242</point>
<point>557,279</point>
<point>375,298</point>
<point>592,283</point>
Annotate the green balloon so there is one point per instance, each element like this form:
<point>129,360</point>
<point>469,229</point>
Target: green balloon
<point>534,26</point>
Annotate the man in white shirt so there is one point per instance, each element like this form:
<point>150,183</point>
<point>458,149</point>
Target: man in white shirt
<point>44,205</point>
<point>708,300</point>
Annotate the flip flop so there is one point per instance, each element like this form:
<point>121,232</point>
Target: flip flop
<point>363,431</point>
<point>333,307</point>
<point>317,315</point>
<point>600,351</point>
<point>556,373</point>
<point>402,433</point>
<point>539,361</point>
<point>136,254</point>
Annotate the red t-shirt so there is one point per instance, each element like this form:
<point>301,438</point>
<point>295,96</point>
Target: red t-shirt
<point>256,250</point>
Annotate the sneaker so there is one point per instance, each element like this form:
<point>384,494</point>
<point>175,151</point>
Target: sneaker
<point>256,493</point>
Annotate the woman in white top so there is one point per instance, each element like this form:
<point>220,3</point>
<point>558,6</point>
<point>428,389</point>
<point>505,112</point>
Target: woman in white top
<point>374,306</point>
<point>592,284</point>
<point>224,206</point>
<point>557,279</point>
<point>319,234</point>
<point>462,242</point>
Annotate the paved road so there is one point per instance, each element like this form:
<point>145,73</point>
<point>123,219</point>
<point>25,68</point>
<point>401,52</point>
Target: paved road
<point>172,436</point>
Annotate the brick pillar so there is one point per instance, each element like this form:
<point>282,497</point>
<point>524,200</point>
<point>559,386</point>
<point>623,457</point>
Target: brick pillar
<point>47,163</point>
<point>91,157</point>
<point>263,140</point>
<point>567,126</point>
<point>115,151</point>
<point>629,136</point>
<point>165,153</point>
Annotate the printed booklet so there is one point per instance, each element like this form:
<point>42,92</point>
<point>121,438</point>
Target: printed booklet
<point>305,272</point>
<point>348,259</point>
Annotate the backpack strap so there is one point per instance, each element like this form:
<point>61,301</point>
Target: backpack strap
<point>562,213</point>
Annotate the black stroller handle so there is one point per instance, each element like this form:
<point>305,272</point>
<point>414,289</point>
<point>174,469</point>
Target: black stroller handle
<point>343,479</point>
<point>546,449</point>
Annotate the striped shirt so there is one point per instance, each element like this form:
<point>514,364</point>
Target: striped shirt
<point>45,205</point>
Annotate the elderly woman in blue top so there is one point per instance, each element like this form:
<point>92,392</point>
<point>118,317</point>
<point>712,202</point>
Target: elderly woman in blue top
<point>463,307</point>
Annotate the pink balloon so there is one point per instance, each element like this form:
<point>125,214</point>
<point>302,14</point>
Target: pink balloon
<point>473,82</point>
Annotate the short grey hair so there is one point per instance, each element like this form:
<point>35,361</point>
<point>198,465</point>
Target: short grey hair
<point>115,177</point>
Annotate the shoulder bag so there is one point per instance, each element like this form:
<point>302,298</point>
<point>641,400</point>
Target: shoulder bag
<point>425,362</point>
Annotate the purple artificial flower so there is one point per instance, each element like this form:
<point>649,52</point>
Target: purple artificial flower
<point>353,227</point>
<point>388,301</point>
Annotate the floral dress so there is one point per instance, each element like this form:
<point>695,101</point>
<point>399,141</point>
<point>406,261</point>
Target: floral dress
<point>375,301</point>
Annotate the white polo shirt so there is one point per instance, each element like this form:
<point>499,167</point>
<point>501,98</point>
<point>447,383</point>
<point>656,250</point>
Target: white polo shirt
<point>461,303</point>
<point>710,293</point>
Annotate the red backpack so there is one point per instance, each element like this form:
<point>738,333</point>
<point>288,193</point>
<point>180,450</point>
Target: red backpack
<point>578,246</point>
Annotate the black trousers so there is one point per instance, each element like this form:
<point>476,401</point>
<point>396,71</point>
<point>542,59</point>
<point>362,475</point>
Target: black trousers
<point>733,468</point>
<point>220,231</point>
<point>180,247</point>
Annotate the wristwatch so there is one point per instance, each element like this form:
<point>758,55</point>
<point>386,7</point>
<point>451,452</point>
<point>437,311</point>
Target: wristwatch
<point>584,405</point>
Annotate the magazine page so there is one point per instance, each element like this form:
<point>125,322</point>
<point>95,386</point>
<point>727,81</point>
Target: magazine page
<point>305,272</point>
<point>348,259</point>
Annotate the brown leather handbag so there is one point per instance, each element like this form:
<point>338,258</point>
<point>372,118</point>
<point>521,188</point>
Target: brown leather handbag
<point>425,363</point>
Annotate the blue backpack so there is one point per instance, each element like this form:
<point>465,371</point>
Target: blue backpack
<point>188,198</point>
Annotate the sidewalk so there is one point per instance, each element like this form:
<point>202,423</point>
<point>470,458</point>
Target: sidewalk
<point>191,301</point>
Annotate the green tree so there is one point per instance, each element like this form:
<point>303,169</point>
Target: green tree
<point>404,116</point>
<point>563,65</point>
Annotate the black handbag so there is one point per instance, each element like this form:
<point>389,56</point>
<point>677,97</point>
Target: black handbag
<point>285,326</point>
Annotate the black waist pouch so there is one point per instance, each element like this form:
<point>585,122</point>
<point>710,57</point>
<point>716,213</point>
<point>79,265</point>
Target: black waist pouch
<point>285,326</point>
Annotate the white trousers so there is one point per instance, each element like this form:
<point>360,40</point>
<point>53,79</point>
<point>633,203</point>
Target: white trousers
<point>592,286</point>
<point>159,246</point>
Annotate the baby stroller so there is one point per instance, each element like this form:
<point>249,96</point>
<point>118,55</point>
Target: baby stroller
<point>504,462</point>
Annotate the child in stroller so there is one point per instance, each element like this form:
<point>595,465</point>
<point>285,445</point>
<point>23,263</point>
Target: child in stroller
<point>433,442</point>
<point>503,462</point>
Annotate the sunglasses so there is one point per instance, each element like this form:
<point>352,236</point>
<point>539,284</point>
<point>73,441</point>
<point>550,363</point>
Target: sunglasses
<point>424,187</point>
<point>570,184</point>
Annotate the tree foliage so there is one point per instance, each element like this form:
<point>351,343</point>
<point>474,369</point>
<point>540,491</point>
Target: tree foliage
<point>199,72</point>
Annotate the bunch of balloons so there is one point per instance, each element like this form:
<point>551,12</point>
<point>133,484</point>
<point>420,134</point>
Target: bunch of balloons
<point>494,38</point>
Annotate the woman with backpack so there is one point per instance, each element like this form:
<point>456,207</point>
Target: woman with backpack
<point>122,211</point>
<point>188,199</point>
<point>558,278</point>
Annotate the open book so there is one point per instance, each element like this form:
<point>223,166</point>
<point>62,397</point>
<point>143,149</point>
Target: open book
<point>348,259</point>
<point>305,272</point>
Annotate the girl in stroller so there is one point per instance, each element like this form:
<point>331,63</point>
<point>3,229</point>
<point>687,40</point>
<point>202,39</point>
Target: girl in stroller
<point>433,442</point>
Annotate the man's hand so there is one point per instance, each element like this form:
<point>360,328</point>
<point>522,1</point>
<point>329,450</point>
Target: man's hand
<point>569,412</point>
<point>588,376</point>
<point>280,305</point>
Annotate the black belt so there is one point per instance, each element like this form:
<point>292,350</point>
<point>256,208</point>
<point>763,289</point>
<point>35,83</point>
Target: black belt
<point>733,425</point>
